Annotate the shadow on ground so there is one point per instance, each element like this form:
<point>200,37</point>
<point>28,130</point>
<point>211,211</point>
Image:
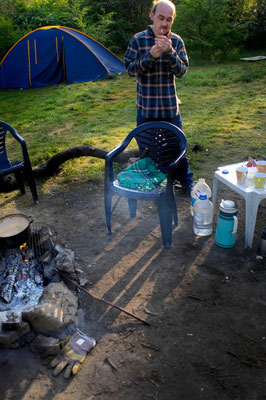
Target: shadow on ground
<point>205,305</point>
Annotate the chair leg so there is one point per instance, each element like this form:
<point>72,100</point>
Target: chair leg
<point>20,181</point>
<point>108,208</point>
<point>175,217</point>
<point>31,182</point>
<point>132,204</point>
<point>165,210</point>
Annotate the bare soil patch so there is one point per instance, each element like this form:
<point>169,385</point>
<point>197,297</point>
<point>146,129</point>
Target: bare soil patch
<point>206,306</point>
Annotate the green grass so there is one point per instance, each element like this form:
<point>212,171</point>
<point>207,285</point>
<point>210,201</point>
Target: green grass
<point>223,111</point>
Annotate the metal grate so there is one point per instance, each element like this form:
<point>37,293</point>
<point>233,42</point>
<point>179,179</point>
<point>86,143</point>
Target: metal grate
<point>42,241</point>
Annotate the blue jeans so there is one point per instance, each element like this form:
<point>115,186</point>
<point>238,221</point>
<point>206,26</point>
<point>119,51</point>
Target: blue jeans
<point>183,173</point>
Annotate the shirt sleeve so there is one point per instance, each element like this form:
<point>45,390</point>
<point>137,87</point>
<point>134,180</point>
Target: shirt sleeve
<point>178,59</point>
<point>134,63</point>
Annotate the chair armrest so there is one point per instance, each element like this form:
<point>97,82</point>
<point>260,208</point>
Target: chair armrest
<point>176,161</point>
<point>109,159</point>
<point>22,142</point>
<point>16,135</point>
<point>172,167</point>
<point>119,149</point>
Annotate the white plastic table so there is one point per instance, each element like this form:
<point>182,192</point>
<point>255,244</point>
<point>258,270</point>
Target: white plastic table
<point>252,196</point>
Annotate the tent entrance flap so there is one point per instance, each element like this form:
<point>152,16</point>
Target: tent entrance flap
<point>46,60</point>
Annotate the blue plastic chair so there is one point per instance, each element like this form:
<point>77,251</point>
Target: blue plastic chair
<point>165,144</point>
<point>18,168</point>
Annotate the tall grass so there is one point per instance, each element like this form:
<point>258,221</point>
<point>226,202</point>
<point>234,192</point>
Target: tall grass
<point>223,111</point>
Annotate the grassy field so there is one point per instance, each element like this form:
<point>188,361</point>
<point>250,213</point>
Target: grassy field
<point>223,113</point>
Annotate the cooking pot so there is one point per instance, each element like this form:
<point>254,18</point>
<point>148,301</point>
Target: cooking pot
<point>14,230</point>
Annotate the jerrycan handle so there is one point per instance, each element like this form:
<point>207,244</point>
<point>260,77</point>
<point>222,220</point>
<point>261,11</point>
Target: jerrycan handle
<point>198,193</point>
<point>235,225</point>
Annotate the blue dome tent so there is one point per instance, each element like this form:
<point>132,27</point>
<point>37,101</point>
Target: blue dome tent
<point>55,54</point>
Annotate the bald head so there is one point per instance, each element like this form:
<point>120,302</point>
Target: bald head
<point>168,3</point>
<point>162,15</point>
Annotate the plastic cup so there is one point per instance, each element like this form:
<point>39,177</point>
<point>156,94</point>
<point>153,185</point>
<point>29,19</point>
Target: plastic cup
<point>250,176</point>
<point>241,175</point>
<point>259,180</point>
<point>261,165</point>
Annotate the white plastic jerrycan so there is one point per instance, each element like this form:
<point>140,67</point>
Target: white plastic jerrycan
<point>203,187</point>
<point>202,215</point>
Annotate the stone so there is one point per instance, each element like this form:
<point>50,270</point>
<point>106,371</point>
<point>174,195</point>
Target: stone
<point>49,273</point>
<point>43,343</point>
<point>83,281</point>
<point>9,339</point>
<point>64,260</point>
<point>56,309</point>
<point>11,320</point>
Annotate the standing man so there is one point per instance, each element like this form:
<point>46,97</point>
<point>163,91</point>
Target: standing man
<point>155,56</point>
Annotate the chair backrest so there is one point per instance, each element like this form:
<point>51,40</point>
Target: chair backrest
<point>162,142</point>
<point>4,162</point>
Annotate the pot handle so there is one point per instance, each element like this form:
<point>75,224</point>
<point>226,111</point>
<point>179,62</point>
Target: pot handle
<point>30,219</point>
<point>235,225</point>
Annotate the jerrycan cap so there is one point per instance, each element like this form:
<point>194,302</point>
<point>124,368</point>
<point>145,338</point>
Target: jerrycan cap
<point>201,195</point>
<point>228,206</point>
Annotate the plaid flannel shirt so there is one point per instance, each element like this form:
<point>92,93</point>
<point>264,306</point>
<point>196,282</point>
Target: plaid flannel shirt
<point>155,78</point>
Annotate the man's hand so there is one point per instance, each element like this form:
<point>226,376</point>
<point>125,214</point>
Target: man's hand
<point>163,44</point>
<point>156,51</point>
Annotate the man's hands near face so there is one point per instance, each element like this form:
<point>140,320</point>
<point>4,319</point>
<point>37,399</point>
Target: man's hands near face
<point>162,45</point>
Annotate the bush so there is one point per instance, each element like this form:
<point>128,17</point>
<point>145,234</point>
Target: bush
<point>8,35</point>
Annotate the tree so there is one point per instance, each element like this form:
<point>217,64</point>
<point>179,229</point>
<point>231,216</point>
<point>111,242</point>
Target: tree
<point>254,23</point>
<point>206,27</point>
<point>38,13</point>
<point>210,28</point>
<point>124,19</point>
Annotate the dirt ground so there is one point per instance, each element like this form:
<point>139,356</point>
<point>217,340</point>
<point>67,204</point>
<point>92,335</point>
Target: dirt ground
<point>206,306</point>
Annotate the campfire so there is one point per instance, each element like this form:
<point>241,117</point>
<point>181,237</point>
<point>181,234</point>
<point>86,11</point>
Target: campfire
<point>34,300</point>
<point>25,270</point>
<point>32,296</point>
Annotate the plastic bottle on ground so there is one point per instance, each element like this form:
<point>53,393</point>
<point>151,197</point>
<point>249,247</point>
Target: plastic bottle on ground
<point>202,215</point>
<point>261,252</point>
<point>202,186</point>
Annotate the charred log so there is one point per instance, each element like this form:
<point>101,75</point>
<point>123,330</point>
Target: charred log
<point>7,284</point>
<point>51,166</point>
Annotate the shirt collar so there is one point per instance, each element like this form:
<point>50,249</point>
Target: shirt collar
<point>150,30</point>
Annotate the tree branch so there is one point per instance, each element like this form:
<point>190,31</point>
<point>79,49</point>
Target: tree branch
<point>51,166</point>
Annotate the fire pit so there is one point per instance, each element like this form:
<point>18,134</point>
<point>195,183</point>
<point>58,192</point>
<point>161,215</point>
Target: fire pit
<point>24,270</point>
<point>32,296</point>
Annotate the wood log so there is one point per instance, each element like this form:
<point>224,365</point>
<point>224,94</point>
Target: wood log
<point>6,289</point>
<point>51,166</point>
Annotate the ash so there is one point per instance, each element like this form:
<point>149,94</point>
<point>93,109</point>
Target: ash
<point>21,288</point>
<point>25,271</point>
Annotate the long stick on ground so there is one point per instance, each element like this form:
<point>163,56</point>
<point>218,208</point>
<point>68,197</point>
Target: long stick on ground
<point>104,301</point>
